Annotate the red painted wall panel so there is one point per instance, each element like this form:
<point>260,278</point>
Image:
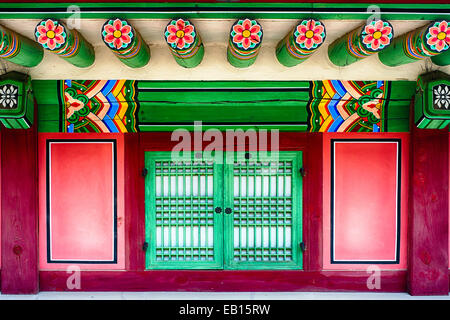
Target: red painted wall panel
<point>365,201</point>
<point>81,202</point>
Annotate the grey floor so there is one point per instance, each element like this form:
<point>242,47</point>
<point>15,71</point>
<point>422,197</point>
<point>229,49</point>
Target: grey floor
<point>218,296</point>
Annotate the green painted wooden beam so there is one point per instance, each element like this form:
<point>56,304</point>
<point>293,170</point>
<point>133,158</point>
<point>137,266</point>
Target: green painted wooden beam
<point>427,41</point>
<point>184,42</point>
<point>67,43</point>
<point>19,49</point>
<point>301,42</point>
<point>224,10</point>
<point>442,59</point>
<point>367,106</point>
<point>125,42</point>
<point>361,42</point>
<point>244,43</point>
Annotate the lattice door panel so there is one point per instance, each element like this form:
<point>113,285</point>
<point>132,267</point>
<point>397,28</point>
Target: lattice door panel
<point>183,230</point>
<point>263,228</point>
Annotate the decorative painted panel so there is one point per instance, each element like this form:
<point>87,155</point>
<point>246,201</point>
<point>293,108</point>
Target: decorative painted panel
<point>16,101</point>
<point>130,106</point>
<point>365,202</point>
<point>432,101</point>
<point>81,218</point>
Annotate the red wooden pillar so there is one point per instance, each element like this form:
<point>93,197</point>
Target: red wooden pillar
<point>19,211</point>
<point>428,219</point>
<point>313,200</point>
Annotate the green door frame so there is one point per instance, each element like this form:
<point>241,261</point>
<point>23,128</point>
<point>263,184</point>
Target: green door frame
<point>223,197</point>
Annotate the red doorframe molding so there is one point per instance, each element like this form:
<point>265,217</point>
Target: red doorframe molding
<point>19,211</point>
<point>238,281</point>
<point>429,212</point>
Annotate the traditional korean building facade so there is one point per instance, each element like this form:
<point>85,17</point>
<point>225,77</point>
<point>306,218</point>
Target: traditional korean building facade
<point>225,146</point>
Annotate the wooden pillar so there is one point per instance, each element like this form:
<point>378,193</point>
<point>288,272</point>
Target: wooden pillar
<point>244,43</point>
<point>301,42</point>
<point>442,59</point>
<point>428,216</point>
<point>125,42</point>
<point>424,42</point>
<point>19,49</point>
<point>67,43</point>
<point>184,42</point>
<point>361,42</point>
<point>19,211</point>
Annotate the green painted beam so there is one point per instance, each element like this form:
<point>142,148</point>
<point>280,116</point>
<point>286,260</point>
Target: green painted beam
<point>67,43</point>
<point>301,42</point>
<point>427,41</point>
<point>184,42</point>
<point>283,105</point>
<point>225,10</point>
<point>125,42</point>
<point>19,49</point>
<point>361,42</point>
<point>245,39</point>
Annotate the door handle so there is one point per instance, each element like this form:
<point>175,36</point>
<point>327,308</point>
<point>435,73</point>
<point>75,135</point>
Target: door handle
<point>228,210</point>
<point>218,210</point>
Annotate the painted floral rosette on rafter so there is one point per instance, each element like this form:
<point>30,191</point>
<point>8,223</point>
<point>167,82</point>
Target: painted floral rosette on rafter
<point>299,44</point>
<point>184,42</point>
<point>428,41</point>
<point>372,37</point>
<point>244,44</point>
<point>68,44</point>
<point>125,42</point>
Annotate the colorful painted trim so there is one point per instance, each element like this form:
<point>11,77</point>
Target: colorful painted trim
<point>10,44</point>
<point>98,105</point>
<point>347,106</point>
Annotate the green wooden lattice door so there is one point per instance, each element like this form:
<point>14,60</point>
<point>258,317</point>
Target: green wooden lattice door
<point>259,225</point>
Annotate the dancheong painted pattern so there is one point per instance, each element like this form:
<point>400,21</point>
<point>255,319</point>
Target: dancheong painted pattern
<point>99,105</point>
<point>344,106</point>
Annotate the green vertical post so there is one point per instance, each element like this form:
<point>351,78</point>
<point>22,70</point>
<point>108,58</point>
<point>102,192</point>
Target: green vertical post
<point>361,42</point>
<point>421,43</point>
<point>125,42</point>
<point>184,42</point>
<point>442,59</point>
<point>301,42</point>
<point>67,43</point>
<point>244,44</point>
<point>18,49</point>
